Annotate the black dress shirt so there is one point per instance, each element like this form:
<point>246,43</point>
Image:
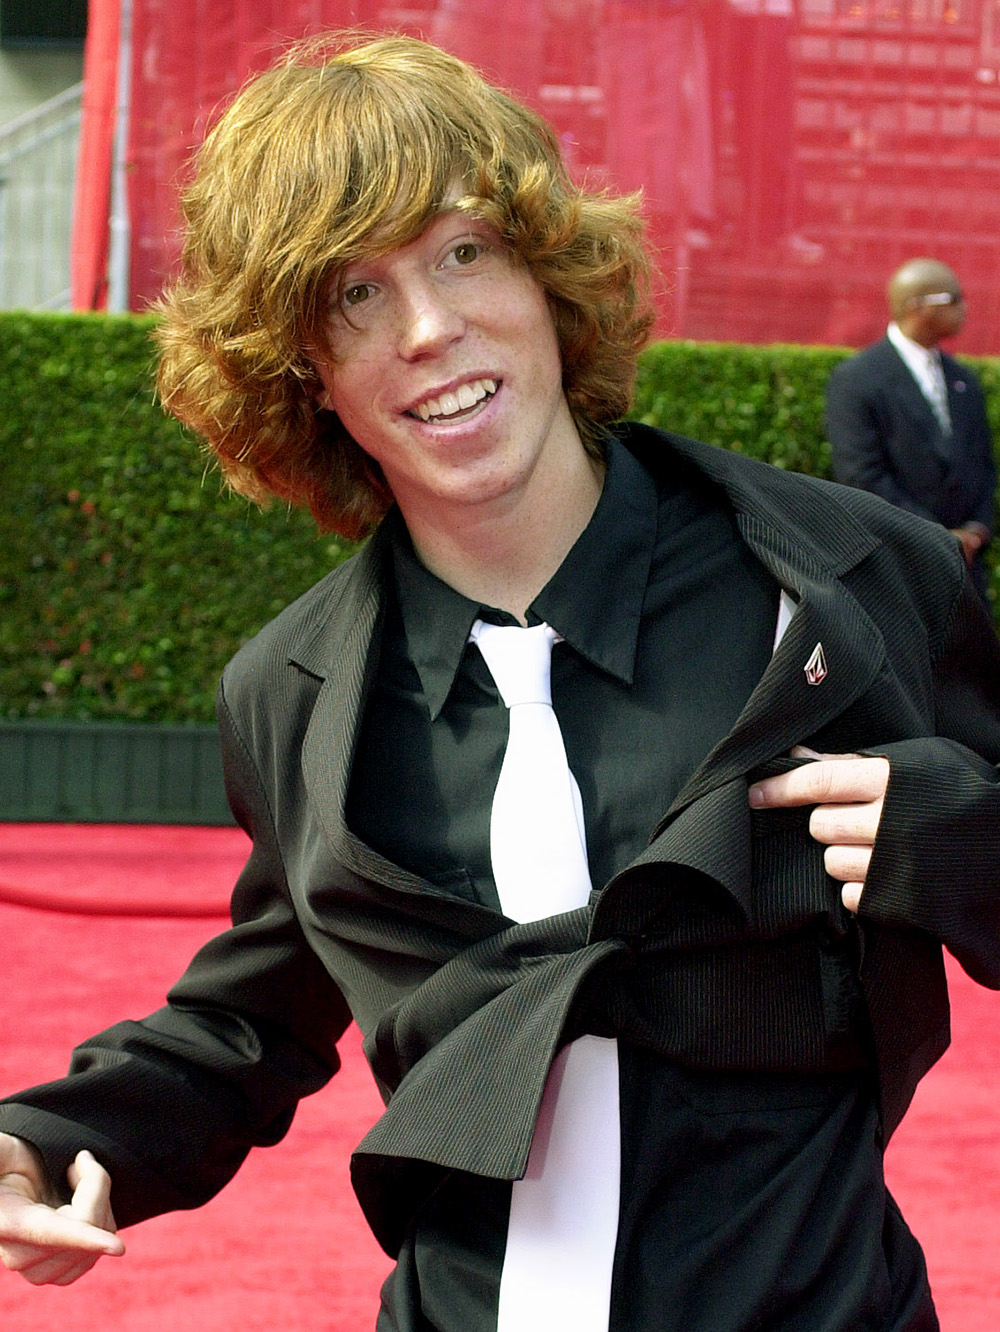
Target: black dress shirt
<point>668,623</point>
<point>748,1200</point>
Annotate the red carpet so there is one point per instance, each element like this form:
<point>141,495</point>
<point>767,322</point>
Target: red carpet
<point>284,1246</point>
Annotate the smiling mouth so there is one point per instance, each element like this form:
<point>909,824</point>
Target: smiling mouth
<point>464,402</point>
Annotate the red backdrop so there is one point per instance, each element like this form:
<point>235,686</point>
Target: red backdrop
<point>792,152</point>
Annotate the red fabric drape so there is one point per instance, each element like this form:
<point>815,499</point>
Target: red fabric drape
<point>89,254</point>
<point>791,156</point>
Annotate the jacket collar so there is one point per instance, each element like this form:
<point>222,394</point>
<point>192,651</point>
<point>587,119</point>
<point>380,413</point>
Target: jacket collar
<point>799,541</point>
<point>900,379</point>
<point>776,510</point>
<point>349,605</point>
<point>808,547</point>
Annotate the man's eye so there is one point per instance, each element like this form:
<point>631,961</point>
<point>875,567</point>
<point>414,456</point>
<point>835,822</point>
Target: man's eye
<point>356,293</point>
<point>466,253</point>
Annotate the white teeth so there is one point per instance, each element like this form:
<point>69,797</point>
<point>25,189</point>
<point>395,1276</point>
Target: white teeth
<point>465,397</point>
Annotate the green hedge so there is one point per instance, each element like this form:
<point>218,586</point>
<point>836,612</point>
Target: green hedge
<point>128,576</point>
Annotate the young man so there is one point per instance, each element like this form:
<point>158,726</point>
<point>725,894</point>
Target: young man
<point>642,1035</point>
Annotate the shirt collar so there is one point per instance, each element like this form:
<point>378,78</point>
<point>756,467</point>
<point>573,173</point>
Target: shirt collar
<point>597,613</point>
<point>913,353</point>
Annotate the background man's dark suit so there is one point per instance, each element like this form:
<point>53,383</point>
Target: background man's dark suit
<point>886,438</point>
<point>443,987</point>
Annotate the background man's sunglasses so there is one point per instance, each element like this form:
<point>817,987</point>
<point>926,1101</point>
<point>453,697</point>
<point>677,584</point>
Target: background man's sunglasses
<point>939,298</point>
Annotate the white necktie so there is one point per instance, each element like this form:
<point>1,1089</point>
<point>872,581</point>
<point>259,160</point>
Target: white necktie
<point>537,837</point>
<point>564,1212</point>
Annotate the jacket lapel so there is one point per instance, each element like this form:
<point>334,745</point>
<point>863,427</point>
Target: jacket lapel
<point>786,707</point>
<point>343,652</point>
<point>338,652</point>
<point>956,379</point>
<point>901,383</point>
<point>807,549</point>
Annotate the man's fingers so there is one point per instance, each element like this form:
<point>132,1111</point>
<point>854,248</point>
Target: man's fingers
<point>848,792</point>
<point>91,1192</point>
<point>850,895</point>
<point>847,863</point>
<point>52,1247</point>
<point>54,1269</point>
<point>829,780</point>
<point>37,1227</point>
<point>846,825</point>
<point>56,1246</point>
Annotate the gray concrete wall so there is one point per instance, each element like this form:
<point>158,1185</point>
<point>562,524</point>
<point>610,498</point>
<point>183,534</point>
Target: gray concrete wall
<point>37,169</point>
<point>30,77</point>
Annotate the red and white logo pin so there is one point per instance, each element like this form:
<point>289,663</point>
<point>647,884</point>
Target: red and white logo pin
<point>815,667</point>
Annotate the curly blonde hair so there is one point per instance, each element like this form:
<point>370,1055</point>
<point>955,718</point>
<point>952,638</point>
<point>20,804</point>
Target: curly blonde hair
<point>344,150</point>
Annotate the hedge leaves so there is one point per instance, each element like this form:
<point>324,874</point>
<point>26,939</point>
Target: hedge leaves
<point>129,576</point>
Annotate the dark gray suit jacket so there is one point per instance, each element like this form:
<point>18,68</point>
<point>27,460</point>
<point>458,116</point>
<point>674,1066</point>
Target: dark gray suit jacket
<point>885,438</point>
<point>722,945</point>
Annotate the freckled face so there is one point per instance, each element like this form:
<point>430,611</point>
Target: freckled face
<point>444,366</point>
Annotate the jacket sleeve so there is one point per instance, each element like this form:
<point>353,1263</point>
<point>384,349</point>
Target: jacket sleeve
<point>857,440</point>
<point>171,1105</point>
<point>983,507</point>
<point>936,860</point>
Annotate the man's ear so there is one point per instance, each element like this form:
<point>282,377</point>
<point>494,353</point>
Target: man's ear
<point>308,373</point>
<point>318,391</point>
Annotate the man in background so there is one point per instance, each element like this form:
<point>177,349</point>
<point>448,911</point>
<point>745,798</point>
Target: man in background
<point>908,422</point>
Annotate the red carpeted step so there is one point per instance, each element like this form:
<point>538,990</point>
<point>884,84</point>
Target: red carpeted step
<point>285,1244</point>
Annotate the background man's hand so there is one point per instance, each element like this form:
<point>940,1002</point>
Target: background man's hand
<point>848,792</point>
<point>46,1243</point>
<point>971,540</point>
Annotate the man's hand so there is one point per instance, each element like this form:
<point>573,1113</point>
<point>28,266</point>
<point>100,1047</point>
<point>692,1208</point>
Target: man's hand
<point>971,540</point>
<point>848,792</point>
<point>46,1243</point>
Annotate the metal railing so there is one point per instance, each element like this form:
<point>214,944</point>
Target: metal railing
<point>37,170</point>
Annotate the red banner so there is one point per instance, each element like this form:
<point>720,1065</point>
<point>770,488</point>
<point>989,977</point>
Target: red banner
<point>792,152</point>
<point>89,256</point>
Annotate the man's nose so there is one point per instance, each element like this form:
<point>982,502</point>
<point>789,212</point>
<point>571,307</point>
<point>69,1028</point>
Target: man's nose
<point>428,324</point>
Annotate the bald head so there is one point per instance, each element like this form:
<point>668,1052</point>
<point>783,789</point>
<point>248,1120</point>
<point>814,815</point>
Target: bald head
<point>925,299</point>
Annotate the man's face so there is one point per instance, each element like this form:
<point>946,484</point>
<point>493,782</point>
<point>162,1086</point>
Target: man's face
<point>445,368</point>
<point>941,312</point>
